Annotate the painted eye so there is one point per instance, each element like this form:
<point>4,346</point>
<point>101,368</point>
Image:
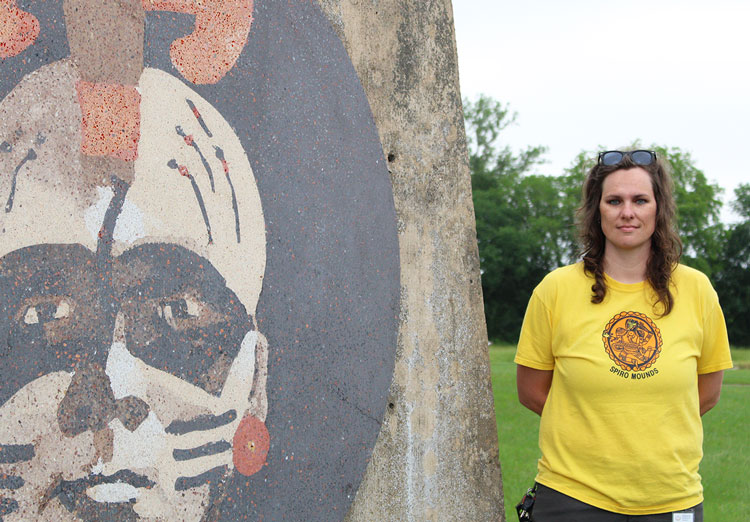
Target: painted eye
<point>63,310</point>
<point>179,309</point>
<point>46,311</point>
<point>31,316</point>
<point>174,308</point>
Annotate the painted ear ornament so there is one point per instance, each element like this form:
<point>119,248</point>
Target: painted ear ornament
<point>251,441</point>
<point>18,29</point>
<point>250,445</point>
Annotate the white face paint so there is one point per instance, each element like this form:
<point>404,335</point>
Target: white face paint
<point>155,382</point>
<point>150,450</point>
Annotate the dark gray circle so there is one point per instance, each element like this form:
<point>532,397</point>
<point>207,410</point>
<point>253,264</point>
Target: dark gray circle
<point>329,304</point>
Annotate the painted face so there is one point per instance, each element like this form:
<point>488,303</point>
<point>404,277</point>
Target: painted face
<point>152,366</point>
<point>628,210</point>
<point>134,378</point>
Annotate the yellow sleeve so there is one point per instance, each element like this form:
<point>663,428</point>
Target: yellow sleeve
<point>535,343</point>
<point>715,354</point>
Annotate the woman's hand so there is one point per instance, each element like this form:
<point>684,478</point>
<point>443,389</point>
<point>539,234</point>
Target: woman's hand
<point>533,386</point>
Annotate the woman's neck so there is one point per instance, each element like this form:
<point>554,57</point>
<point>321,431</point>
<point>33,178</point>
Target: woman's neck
<point>627,266</point>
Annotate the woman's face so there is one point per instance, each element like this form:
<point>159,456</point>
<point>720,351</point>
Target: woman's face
<point>628,210</point>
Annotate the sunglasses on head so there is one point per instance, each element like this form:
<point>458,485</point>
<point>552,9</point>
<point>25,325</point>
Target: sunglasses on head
<point>615,157</point>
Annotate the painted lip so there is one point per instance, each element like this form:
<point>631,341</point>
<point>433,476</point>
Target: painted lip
<point>68,490</point>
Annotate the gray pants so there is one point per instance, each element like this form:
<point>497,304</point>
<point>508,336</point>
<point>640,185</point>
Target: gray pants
<point>553,506</point>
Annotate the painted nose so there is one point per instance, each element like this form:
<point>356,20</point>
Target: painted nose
<point>89,404</point>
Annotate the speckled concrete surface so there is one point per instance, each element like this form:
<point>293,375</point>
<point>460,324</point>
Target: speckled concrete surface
<point>437,455</point>
<point>199,263</point>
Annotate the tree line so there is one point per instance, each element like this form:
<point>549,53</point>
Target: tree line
<point>526,227</point>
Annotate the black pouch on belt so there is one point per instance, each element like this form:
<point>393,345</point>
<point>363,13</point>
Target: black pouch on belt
<point>526,505</point>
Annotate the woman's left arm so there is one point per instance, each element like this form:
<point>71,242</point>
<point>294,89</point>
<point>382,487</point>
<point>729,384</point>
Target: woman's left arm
<point>709,389</point>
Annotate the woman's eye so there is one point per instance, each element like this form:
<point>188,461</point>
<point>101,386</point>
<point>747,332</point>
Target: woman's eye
<point>614,201</point>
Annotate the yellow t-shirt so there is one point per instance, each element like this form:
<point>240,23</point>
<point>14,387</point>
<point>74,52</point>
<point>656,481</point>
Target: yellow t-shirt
<point>621,428</point>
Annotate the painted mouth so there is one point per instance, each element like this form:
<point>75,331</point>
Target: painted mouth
<point>121,487</point>
<point>115,492</point>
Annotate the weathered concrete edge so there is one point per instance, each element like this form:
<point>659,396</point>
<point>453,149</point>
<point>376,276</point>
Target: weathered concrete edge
<point>436,457</point>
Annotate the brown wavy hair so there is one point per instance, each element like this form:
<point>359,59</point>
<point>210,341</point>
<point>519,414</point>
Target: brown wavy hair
<point>666,247</point>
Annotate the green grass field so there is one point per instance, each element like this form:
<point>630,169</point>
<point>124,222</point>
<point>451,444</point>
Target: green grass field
<point>726,436</point>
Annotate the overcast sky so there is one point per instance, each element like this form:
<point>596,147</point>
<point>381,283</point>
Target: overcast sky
<point>583,74</point>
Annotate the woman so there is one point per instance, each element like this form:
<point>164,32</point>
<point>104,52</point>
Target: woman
<point>621,354</point>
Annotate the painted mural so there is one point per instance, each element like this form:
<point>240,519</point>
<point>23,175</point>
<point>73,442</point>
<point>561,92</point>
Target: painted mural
<point>199,270</point>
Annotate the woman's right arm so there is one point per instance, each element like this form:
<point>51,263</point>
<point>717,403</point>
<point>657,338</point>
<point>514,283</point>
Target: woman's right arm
<point>533,386</point>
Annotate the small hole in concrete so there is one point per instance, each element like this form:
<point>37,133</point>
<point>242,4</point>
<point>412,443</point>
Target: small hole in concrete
<point>390,405</point>
<point>391,157</point>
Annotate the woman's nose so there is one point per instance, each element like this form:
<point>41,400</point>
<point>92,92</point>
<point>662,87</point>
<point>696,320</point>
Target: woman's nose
<point>89,404</point>
<point>627,210</point>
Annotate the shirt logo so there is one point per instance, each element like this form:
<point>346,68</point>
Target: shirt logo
<point>632,341</point>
